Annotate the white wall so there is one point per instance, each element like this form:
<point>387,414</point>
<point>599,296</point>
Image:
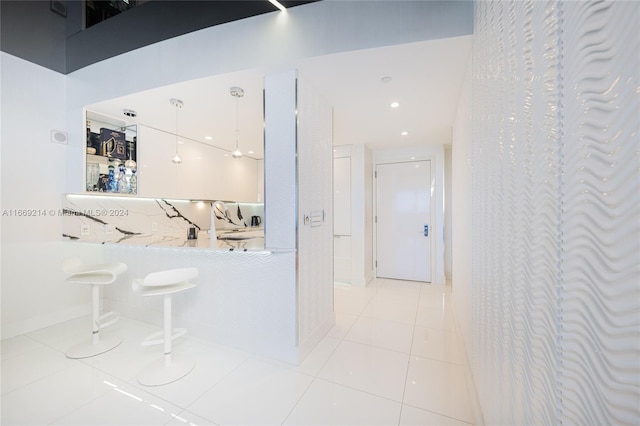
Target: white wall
<point>260,180</point>
<point>315,201</point>
<point>205,173</point>
<point>435,153</point>
<point>447,211</point>
<point>361,215</point>
<point>460,222</point>
<point>33,179</point>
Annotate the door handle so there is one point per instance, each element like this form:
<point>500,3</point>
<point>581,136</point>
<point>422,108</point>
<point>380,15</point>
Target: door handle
<point>426,230</point>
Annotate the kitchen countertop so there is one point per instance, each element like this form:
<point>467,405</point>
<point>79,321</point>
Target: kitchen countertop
<point>251,239</point>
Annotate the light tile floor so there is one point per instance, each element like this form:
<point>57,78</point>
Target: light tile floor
<point>392,359</point>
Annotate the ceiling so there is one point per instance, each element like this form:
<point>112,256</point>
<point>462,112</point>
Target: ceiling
<point>426,78</point>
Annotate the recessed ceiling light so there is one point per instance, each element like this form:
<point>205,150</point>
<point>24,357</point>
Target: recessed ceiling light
<point>386,79</point>
<point>404,133</point>
<point>395,104</point>
<point>209,138</point>
<point>180,143</point>
<point>250,152</point>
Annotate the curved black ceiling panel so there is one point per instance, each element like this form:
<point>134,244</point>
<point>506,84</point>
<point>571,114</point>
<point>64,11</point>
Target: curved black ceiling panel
<point>154,21</point>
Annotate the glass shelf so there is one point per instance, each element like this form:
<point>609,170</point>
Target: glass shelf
<point>111,146</point>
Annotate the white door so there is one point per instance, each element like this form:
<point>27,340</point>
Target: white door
<point>403,214</point>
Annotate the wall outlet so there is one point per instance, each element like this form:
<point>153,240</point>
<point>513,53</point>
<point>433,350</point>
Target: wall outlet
<point>154,226</point>
<point>108,229</point>
<point>85,229</point>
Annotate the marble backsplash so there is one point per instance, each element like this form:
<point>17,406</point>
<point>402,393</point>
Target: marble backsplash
<point>155,221</point>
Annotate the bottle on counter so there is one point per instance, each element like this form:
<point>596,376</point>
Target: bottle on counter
<point>122,181</point>
<point>112,184</point>
<point>133,182</point>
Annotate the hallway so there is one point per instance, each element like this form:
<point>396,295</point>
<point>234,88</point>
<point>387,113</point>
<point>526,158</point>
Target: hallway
<point>392,359</point>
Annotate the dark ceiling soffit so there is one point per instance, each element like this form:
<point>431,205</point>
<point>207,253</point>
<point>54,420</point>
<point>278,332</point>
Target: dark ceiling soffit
<point>155,21</point>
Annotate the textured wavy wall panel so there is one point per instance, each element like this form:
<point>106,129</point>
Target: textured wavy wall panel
<point>315,193</point>
<point>515,204</point>
<point>600,303</point>
<point>555,268</point>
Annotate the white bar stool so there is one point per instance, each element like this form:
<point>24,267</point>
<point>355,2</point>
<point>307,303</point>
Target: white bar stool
<point>96,276</point>
<point>165,283</point>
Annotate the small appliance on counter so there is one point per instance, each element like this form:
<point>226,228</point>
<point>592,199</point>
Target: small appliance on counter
<point>256,220</point>
<point>192,233</point>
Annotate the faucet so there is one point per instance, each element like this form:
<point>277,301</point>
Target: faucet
<point>212,220</point>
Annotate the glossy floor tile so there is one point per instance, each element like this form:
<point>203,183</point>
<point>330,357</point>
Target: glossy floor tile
<point>187,418</point>
<point>256,393</point>
<point>327,403</point>
<point>344,322</point>
<point>381,333</point>
<point>54,396</point>
<point>32,366</point>
<point>398,312</point>
<point>123,405</point>
<point>392,358</point>
<point>367,368</point>
<point>438,387</point>
<point>212,364</point>
<point>17,346</point>
<point>412,416</point>
<point>440,345</point>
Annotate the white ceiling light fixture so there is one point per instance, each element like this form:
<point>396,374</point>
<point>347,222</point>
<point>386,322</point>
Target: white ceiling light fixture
<point>395,104</point>
<point>237,92</point>
<point>404,133</point>
<point>177,103</point>
<point>277,4</point>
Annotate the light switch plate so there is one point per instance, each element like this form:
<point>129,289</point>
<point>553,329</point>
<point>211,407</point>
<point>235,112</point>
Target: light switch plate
<point>154,226</point>
<point>85,229</point>
<point>108,229</point>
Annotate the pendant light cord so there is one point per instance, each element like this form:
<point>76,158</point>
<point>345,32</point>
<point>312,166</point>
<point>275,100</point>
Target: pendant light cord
<point>178,104</point>
<point>237,129</point>
<point>177,107</point>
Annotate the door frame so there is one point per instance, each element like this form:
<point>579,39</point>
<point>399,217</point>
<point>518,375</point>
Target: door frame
<point>432,213</point>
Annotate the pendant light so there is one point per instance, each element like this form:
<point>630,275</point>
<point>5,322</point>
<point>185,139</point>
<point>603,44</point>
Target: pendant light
<point>237,93</point>
<point>177,103</point>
